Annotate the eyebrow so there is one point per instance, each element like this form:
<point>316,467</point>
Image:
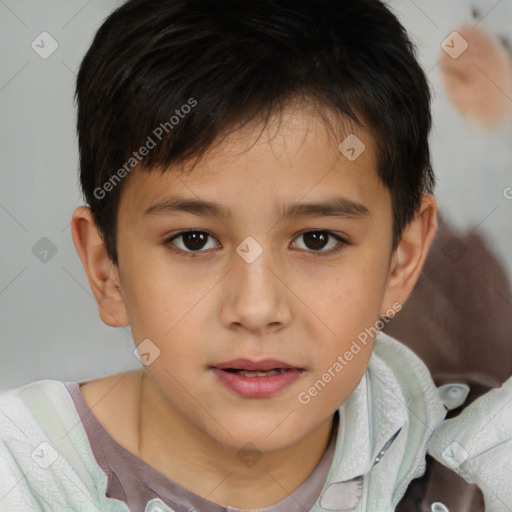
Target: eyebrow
<point>340,207</point>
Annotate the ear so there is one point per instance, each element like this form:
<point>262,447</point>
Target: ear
<point>409,257</point>
<point>102,274</point>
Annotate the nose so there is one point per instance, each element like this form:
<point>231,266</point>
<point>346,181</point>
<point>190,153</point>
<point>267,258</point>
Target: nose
<point>256,294</point>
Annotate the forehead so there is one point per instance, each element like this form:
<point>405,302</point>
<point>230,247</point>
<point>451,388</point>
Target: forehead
<point>293,157</point>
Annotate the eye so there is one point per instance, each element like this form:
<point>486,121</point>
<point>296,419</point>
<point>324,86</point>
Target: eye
<point>192,241</point>
<point>317,240</point>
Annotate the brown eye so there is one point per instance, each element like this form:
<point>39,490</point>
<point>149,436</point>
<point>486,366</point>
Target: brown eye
<point>315,241</point>
<point>192,241</point>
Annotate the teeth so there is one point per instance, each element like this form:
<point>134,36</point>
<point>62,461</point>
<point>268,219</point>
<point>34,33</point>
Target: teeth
<point>257,373</point>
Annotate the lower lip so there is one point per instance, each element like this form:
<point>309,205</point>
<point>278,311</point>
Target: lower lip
<point>257,387</point>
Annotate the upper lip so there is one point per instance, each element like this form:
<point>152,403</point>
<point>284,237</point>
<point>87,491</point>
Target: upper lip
<point>247,364</point>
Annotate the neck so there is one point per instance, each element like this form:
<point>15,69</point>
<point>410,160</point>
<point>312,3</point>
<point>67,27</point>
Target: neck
<point>213,471</point>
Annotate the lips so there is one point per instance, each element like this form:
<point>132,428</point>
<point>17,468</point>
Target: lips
<point>256,379</point>
<point>262,366</point>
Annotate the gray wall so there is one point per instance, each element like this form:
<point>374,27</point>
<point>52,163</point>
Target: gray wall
<point>49,324</point>
<point>50,327</point>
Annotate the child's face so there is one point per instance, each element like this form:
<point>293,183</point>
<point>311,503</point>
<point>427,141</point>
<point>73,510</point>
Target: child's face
<point>297,302</point>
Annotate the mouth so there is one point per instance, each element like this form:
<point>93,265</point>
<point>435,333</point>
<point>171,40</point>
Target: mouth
<point>256,379</point>
<point>262,366</point>
<point>256,373</point>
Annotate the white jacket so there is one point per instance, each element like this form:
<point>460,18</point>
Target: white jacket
<point>387,424</point>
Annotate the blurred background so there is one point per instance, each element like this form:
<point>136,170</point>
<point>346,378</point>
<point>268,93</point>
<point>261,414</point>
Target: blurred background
<point>49,322</point>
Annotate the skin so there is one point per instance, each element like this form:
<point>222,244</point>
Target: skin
<point>294,303</point>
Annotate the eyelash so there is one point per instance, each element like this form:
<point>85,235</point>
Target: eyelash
<point>340,246</point>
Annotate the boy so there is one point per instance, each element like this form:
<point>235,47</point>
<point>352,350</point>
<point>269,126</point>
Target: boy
<point>259,196</point>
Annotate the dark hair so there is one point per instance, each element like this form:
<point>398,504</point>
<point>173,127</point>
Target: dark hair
<point>190,70</point>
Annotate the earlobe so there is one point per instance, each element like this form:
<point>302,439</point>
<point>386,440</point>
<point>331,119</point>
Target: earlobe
<point>410,255</point>
<point>102,274</point>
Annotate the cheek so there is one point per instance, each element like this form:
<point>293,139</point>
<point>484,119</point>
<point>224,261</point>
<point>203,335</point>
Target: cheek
<point>346,349</point>
<point>155,300</point>
<point>340,369</point>
<point>355,291</point>
<point>351,304</point>
<point>352,320</point>
<point>170,310</point>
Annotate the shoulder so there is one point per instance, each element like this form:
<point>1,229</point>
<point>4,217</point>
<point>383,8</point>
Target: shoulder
<point>26,451</point>
<point>24,405</point>
<point>402,397</point>
<point>43,385</point>
<point>386,424</point>
<point>477,445</point>
<point>406,372</point>
<point>46,462</point>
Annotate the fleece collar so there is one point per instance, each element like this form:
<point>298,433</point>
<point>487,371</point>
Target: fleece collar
<point>390,416</point>
<point>380,447</point>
